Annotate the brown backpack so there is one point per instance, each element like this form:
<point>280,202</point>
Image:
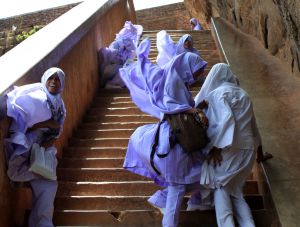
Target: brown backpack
<point>187,130</point>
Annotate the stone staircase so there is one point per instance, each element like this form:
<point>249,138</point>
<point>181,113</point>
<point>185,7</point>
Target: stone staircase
<point>94,190</point>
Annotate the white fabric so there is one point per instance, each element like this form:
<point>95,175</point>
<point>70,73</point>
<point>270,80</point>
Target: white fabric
<point>165,47</point>
<point>43,161</point>
<point>232,128</point>
<point>218,74</point>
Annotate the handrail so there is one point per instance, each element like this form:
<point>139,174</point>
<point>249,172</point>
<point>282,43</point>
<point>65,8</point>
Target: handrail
<point>214,29</point>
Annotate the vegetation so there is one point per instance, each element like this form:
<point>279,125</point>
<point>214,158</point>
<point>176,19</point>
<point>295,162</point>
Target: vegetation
<point>25,34</point>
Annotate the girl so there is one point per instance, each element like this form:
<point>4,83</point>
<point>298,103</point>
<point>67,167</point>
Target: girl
<point>38,113</point>
<point>157,92</point>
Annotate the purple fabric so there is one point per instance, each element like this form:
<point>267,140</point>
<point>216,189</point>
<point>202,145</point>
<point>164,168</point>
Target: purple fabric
<point>165,47</point>
<point>180,45</point>
<point>130,31</point>
<point>159,91</point>
<point>178,167</point>
<point>43,195</point>
<point>27,105</point>
<point>196,23</point>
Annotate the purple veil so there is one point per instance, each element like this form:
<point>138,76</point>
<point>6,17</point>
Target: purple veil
<point>159,91</point>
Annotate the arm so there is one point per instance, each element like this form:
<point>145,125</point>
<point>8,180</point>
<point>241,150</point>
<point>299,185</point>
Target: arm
<point>215,155</point>
<point>51,124</point>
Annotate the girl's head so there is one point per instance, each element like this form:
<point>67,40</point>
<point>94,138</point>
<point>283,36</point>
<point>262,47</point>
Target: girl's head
<point>53,80</point>
<point>188,42</point>
<point>189,67</point>
<point>184,44</point>
<point>193,23</point>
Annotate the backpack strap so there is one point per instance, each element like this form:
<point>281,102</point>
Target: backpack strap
<point>153,150</point>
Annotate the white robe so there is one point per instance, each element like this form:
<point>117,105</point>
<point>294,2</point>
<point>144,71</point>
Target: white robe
<point>232,127</point>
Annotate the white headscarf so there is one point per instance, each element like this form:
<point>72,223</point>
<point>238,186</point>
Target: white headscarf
<point>56,99</point>
<point>219,74</point>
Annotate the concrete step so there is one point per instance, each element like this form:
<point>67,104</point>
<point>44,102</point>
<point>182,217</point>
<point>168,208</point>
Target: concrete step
<point>96,152</point>
<point>145,218</point>
<point>103,133</point>
<point>97,175</point>
<point>113,125</point>
<point>118,188</point>
<point>121,203</point>
<point>99,142</point>
<point>129,188</point>
<point>116,162</point>
<point>120,118</point>
<point>114,111</point>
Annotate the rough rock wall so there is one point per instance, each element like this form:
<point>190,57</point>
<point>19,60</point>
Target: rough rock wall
<point>276,23</point>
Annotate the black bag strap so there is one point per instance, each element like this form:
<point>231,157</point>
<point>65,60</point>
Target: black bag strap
<point>155,143</point>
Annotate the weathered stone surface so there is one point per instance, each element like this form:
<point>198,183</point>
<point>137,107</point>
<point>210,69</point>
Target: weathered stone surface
<point>276,23</point>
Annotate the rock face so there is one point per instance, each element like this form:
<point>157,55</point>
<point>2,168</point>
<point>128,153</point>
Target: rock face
<point>276,23</point>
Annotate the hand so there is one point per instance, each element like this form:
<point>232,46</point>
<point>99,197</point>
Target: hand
<point>203,118</point>
<point>215,155</point>
<point>203,104</point>
<point>52,124</point>
<point>262,156</point>
<point>48,143</point>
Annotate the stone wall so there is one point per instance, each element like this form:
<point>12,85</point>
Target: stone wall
<point>79,34</point>
<point>173,16</point>
<point>276,23</point>
<point>12,26</point>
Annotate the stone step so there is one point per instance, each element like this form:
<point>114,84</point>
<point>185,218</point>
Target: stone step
<point>99,142</point>
<point>113,125</point>
<point>108,162</point>
<point>122,203</point>
<point>124,188</point>
<point>103,133</point>
<point>129,188</point>
<point>120,118</point>
<point>97,174</point>
<point>111,99</point>
<point>117,110</point>
<point>145,218</point>
<point>122,104</point>
<point>97,152</point>
<point>111,92</point>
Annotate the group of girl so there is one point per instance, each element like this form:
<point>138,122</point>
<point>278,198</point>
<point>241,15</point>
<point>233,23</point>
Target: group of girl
<point>215,175</point>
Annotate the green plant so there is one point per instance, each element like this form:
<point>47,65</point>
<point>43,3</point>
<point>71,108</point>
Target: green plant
<point>25,34</point>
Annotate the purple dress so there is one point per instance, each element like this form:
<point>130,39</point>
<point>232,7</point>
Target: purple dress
<point>157,92</point>
<point>28,105</point>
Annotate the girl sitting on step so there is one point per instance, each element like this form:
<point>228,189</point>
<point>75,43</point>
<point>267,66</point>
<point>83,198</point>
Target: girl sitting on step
<point>37,112</point>
<point>157,92</point>
<point>122,49</point>
<point>195,25</point>
<point>167,50</point>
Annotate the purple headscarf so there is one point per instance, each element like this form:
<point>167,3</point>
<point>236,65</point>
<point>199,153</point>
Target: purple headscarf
<point>27,104</point>
<point>180,45</point>
<point>161,91</point>
<point>130,31</point>
<point>195,22</point>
